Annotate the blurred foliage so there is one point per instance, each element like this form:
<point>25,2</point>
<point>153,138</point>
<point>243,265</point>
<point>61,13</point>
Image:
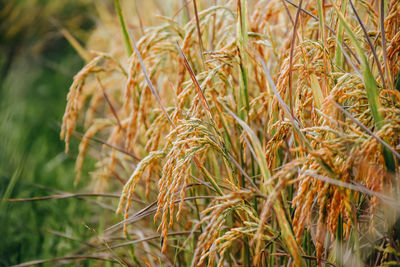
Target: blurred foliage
<point>36,69</point>
<point>28,27</point>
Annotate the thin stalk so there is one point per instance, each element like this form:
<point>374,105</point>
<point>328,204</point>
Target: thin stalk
<point>383,36</point>
<point>339,241</point>
<point>199,33</point>
<point>208,176</point>
<point>125,34</point>
<point>83,53</point>
<point>321,16</point>
<point>339,39</point>
<point>307,246</point>
<point>326,26</point>
<point>296,22</point>
<point>242,43</point>
<point>10,187</point>
<point>242,34</point>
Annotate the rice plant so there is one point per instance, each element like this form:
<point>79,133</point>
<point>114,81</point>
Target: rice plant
<point>244,133</point>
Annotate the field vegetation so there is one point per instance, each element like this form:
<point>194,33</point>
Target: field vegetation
<point>240,133</point>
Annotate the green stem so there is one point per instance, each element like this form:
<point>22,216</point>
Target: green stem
<point>339,39</point>
<point>242,43</point>
<point>127,40</point>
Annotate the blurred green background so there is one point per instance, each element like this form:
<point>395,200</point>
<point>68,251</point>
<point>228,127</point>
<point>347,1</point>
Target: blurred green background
<point>37,65</point>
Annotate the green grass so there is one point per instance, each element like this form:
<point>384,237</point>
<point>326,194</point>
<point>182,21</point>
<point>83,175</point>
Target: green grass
<point>35,74</point>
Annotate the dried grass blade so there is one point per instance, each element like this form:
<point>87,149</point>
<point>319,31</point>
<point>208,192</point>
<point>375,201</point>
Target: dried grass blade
<point>185,6</point>
<point>296,22</point>
<point>339,39</point>
<point>120,149</point>
<point>303,10</point>
<point>76,45</point>
<point>148,81</point>
<point>362,126</point>
<point>199,32</point>
<point>296,123</point>
<point>196,84</point>
<point>148,210</point>
<point>257,146</point>
<point>244,173</point>
<point>358,188</point>
<point>352,64</point>
<point>113,111</point>
<point>288,12</point>
<point>242,43</point>
<point>383,36</point>
<point>321,20</point>
<point>371,45</point>
<point>152,238</point>
<point>326,26</point>
<point>139,17</point>
<point>73,257</point>
<point>63,196</point>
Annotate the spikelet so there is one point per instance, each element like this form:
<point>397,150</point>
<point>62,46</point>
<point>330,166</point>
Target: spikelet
<point>74,103</point>
<point>215,216</point>
<point>129,187</point>
<point>191,142</point>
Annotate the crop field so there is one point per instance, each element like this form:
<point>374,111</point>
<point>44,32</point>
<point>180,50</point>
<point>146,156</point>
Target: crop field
<point>235,133</point>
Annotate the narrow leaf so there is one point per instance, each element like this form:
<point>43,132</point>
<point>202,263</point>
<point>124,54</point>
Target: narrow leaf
<point>195,82</point>
<point>148,81</point>
<point>125,34</point>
